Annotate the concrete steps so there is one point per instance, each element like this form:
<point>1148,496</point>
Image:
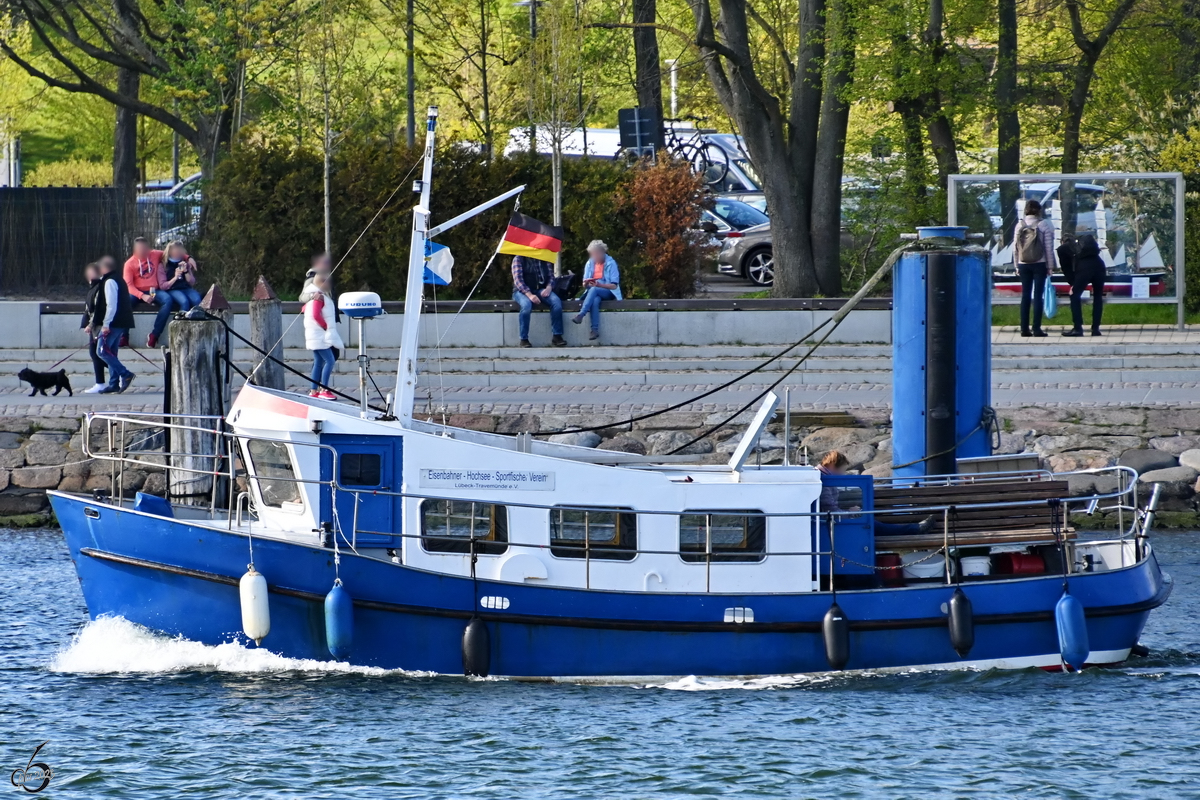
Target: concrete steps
<point>833,364</point>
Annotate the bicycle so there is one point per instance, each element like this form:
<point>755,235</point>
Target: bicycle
<point>708,160</point>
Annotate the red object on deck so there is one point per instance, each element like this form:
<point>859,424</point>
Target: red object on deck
<point>1018,564</point>
<point>894,574</point>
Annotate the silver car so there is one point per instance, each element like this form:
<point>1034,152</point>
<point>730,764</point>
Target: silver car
<point>748,253</point>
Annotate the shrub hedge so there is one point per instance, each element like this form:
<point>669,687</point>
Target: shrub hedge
<point>264,215</point>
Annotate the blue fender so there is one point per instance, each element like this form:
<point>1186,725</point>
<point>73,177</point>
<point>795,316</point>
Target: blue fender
<point>1072,632</point>
<point>339,621</point>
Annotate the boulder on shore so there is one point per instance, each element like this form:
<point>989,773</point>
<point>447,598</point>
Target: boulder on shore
<point>1147,460</point>
<point>1190,458</point>
<point>1176,481</point>
<point>578,438</point>
<point>1175,445</point>
<point>664,443</point>
<point>624,444</point>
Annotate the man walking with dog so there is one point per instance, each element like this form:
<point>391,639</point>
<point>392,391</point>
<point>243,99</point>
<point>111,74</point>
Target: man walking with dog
<point>112,318</point>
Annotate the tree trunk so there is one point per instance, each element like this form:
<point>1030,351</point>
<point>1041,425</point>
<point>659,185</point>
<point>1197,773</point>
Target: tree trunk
<point>915,173</point>
<point>648,77</point>
<point>831,149</point>
<point>410,89</point>
<point>1085,69</point>
<point>937,124</point>
<point>125,166</point>
<point>941,140</point>
<point>1008,121</point>
<point>556,181</point>
<point>489,143</point>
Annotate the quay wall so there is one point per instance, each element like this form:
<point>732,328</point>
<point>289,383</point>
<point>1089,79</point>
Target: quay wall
<point>29,325</point>
<point>39,454</point>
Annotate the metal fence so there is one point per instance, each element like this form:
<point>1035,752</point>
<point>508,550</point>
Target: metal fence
<point>47,234</point>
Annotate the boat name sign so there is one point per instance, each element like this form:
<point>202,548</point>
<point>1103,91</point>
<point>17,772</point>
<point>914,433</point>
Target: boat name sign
<point>487,479</point>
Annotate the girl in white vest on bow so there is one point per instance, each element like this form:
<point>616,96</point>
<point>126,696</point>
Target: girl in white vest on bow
<point>321,336</point>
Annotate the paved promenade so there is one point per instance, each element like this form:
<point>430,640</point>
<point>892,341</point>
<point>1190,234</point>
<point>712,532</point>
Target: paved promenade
<point>1078,387</point>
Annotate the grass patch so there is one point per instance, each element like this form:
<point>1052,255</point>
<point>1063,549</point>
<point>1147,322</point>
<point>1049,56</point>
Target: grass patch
<point>760,295</point>
<point>1114,314</point>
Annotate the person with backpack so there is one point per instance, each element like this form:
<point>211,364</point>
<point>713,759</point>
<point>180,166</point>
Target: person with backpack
<point>1089,270</point>
<point>1033,253</point>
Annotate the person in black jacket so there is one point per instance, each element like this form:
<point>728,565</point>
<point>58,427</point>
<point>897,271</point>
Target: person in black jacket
<point>112,316</point>
<point>1089,270</point>
<point>92,273</point>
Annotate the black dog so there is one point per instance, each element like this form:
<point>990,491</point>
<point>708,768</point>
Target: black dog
<point>41,381</point>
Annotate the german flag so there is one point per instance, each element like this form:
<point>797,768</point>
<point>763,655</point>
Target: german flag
<point>528,237</point>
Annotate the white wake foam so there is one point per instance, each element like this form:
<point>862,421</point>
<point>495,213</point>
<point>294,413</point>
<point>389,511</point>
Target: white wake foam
<point>694,684</point>
<point>114,645</point>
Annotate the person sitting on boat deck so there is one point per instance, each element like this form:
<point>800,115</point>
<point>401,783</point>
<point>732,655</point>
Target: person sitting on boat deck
<point>835,463</point>
<point>602,279</point>
<point>321,336</point>
<point>533,285</point>
<point>1089,271</point>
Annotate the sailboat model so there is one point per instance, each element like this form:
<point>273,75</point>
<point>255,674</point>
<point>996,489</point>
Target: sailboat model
<point>385,540</point>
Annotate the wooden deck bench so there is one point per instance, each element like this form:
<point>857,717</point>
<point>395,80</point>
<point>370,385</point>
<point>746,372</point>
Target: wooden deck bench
<point>974,526</point>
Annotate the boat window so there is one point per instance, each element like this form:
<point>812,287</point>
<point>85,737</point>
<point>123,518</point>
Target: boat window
<point>359,469</point>
<point>734,535</point>
<point>447,526</point>
<point>608,534</point>
<point>273,473</point>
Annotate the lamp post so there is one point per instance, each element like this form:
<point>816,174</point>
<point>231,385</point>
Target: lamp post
<point>674,65</point>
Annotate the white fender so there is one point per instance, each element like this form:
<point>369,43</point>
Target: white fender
<point>256,612</point>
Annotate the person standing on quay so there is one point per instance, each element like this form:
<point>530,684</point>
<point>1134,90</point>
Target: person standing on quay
<point>112,316</point>
<point>1089,271</point>
<point>95,286</point>
<point>1033,252</point>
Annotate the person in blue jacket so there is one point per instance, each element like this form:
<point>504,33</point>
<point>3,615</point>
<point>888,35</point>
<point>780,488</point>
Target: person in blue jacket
<point>602,279</point>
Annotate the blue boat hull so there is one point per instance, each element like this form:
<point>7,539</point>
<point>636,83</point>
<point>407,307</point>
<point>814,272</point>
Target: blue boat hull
<point>181,579</point>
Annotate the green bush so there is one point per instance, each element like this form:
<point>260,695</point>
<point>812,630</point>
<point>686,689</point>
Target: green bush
<point>264,215</point>
<point>71,172</point>
<point>1182,154</point>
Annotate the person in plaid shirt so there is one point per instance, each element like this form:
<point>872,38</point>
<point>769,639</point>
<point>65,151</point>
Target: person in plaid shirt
<point>533,285</point>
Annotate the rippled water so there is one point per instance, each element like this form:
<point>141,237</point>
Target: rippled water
<point>129,714</point>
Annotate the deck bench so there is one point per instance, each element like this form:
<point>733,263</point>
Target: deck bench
<point>975,526</point>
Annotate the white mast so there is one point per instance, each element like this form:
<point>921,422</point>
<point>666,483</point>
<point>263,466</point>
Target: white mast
<point>406,372</point>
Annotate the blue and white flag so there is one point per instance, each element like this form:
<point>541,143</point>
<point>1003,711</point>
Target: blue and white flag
<point>438,264</point>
